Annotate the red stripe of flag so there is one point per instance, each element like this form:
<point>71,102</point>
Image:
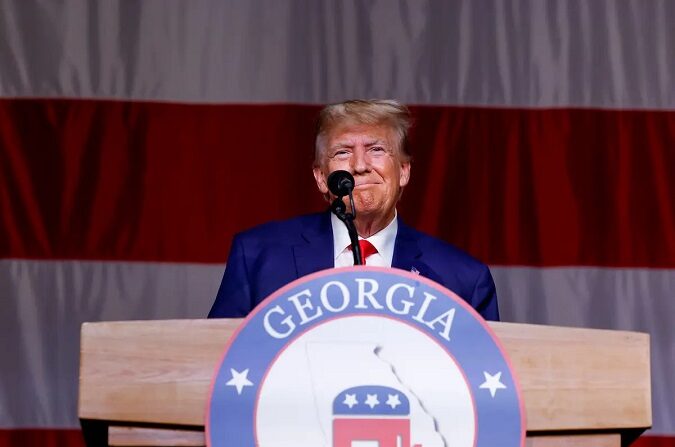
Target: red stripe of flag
<point>89,179</point>
<point>73,438</point>
<point>35,437</point>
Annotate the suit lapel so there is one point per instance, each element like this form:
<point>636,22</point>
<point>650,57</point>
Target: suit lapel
<point>408,254</point>
<point>316,252</point>
<point>406,250</point>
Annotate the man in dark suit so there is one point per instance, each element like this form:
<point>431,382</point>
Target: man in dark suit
<point>368,139</point>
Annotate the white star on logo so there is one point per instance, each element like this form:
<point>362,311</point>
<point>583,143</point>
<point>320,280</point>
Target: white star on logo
<point>239,380</point>
<point>371,400</point>
<point>393,400</point>
<point>492,382</point>
<point>350,400</point>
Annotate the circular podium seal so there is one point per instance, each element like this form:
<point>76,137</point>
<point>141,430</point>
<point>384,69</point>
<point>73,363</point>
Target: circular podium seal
<point>364,357</point>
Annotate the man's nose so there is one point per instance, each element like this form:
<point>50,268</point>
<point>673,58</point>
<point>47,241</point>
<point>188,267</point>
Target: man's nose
<point>360,162</point>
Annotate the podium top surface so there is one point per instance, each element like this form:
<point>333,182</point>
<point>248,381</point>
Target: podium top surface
<point>160,372</point>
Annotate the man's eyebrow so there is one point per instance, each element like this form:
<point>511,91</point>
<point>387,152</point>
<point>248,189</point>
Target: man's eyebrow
<point>344,144</point>
<point>341,145</point>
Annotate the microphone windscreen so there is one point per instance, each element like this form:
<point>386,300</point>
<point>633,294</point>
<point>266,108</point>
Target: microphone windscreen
<point>340,183</point>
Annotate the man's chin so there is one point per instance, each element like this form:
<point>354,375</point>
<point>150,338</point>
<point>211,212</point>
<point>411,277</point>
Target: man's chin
<point>369,213</point>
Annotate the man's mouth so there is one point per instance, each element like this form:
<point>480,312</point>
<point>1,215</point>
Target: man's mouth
<point>364,184</point>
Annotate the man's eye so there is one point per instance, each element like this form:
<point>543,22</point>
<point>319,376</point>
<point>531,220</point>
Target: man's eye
<point>377,149</point>
<point>341,153</point>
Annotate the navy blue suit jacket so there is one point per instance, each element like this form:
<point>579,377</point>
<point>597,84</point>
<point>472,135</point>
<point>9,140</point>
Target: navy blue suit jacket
<point>270,256</point>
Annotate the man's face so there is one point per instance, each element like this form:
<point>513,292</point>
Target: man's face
<point>371,154</point>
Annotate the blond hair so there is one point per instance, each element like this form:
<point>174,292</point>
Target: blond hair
<point>359,111</point>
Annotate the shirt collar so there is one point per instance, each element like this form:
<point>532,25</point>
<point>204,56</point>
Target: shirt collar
<point>383,240</point>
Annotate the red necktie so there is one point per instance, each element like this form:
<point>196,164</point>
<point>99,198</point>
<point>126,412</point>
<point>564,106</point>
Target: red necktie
<point>367,249</point>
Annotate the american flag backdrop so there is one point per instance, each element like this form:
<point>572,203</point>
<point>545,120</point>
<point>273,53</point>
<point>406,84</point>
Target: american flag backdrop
<point>136,137</point>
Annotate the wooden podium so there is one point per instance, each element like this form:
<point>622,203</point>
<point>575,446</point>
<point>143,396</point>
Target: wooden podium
<point>146,383</point>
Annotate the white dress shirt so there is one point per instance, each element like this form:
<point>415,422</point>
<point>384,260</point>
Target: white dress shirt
<point>383,241</point>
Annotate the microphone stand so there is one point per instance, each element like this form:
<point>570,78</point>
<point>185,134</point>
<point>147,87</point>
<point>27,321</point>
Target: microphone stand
<point>339,209</point>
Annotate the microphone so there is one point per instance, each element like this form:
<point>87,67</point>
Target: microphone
<point>340,183</point>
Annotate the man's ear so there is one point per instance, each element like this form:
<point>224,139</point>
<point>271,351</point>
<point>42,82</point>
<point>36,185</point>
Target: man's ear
<point>404,177</point>
<point>320,179</point>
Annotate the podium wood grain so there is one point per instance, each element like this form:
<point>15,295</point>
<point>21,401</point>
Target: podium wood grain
<point>158,373</point>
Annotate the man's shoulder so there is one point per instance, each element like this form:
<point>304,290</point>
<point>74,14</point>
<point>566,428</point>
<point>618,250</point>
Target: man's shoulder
<point>441,251</point>
<point>287,229</point>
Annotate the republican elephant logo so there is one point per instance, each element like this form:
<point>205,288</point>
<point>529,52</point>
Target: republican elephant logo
<point>371,416</point>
